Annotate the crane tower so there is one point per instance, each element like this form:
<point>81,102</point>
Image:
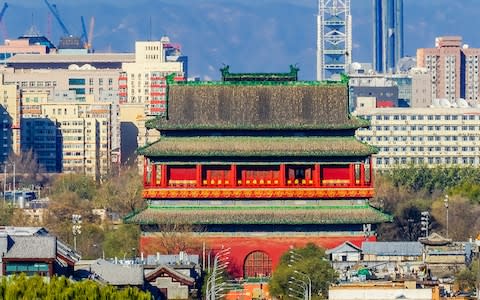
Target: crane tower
<point>334,38</point>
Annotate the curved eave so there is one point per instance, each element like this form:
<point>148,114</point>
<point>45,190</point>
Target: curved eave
<point>160,124</point>
<point>253,215</point>
<point>257,147</point>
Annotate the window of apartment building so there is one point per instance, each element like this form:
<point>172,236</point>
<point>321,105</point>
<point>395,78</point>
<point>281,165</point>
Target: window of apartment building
<point>100,81</point>
<point>379,161</point>
<point>454,117</point>
<point>396,117</point>
<point>90,81</point>
<point>471,160</point>
<point>447,160</point>
<point>110,81</point>
<point>420,118</point>
<point>430,117</point>
<point>403,117</point>
<point>403,160</point>
<point>471,117</point>
<point>438,117</point>
<point>421,149</point>
<point>413,149</point>
<point>414,117</point>
<point>385,128</point>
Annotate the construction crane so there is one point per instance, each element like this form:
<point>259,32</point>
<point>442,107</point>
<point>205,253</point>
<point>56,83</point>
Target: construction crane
<point>84,36</point>
<point>87,38</point>
<point>54,11</point>
<point>2,13</point>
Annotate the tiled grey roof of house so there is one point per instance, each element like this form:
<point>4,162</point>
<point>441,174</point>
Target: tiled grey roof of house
<point>172,271</point>
<point>23,231</point>
<point>344,247</point>
<point>116,274</point>
<point>32,247</point>
<point>393,248</point>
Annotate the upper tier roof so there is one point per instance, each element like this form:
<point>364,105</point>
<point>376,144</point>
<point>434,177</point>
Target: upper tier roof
<point>257,106</point>
<point>257,146</point>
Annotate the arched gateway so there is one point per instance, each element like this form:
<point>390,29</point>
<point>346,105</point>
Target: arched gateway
<point>257,264</point>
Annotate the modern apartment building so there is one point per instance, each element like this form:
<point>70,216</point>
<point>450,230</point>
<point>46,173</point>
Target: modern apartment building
<point>144,81</point>
<point>70,137</point>
<point>432,136</point>
<point>453,69</point>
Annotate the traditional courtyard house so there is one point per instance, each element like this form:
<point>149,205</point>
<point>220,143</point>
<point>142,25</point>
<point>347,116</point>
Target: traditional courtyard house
<point>32,250</point>
<point>258,163</point>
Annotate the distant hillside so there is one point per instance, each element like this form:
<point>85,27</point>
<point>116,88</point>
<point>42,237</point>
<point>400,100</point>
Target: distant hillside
<point>266,35</point>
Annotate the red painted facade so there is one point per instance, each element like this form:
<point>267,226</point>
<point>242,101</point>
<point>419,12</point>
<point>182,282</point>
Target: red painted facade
<point>273,246</point>
<point>256,181</point>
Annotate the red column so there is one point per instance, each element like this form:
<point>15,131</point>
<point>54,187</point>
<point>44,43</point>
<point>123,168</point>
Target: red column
<point>154,175</point>
<point>233,175</point>
<point>362,174</point>
<point>282,175</point>
<point>164,176</point>
<point>351,174</point>
<point>316,175</point>
<point>199,175</point>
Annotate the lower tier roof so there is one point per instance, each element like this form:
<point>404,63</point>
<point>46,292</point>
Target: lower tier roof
<point>281,215</point>
<point>257,146</point>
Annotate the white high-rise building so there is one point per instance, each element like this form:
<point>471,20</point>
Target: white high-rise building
<point>334,38</point>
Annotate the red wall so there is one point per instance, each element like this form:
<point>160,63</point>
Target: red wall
<point>181,172</point>
<point>335,172</point>
<point>275,247</point>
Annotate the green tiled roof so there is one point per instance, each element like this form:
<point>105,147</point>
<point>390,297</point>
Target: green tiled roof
<point>257,146</point>
<point>257,106</point>
<point>204,215</point>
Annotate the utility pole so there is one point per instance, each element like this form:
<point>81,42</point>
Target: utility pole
<point>445,201</point>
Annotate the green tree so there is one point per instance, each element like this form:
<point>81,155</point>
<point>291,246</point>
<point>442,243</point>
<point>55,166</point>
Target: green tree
<point>84,186</point>
<point>35,287</point>
<point>121,194</point>
<point>121,240</point>
<point>310,260</point>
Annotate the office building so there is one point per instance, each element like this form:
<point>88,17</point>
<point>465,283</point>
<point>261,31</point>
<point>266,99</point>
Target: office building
<point>422,136</point>
<point>334,39</point>
<point>387,35</point>
<point>453,69</point>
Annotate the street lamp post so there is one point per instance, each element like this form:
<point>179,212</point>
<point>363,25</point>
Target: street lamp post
<point>301,284</point>
<point>295,257</point>
<point>219,264</point>
<point>445,202</point>
<point>76,228</point>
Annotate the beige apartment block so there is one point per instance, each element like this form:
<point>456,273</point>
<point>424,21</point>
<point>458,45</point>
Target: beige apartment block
<point>143,81</point>
<point>79,132</point>
<point>10,118</point>
<point>422,136</point>
<point>85,130</point>
<point>453,69</point>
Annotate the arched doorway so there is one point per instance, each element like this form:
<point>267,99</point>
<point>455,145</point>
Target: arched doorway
<point>257,264</point>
